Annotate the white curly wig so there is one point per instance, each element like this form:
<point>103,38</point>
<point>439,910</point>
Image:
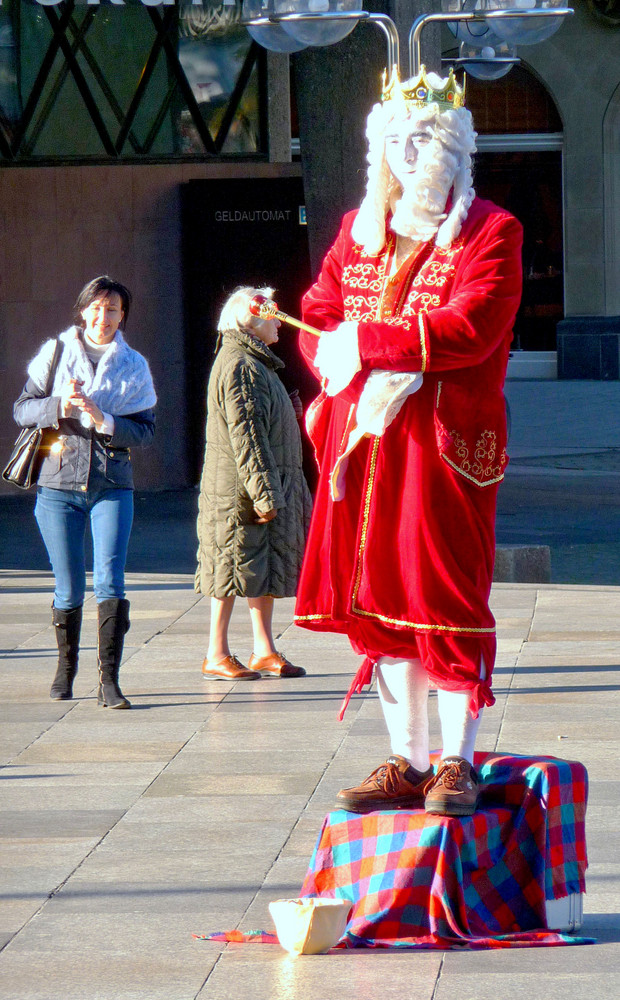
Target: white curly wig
<point>444,165</point>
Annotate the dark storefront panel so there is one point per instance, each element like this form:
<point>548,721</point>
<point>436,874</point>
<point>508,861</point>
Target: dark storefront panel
<point>529,184</point>
<point>240,232</point>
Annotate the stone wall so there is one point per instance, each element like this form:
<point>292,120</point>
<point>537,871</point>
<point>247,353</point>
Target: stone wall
<point>62,226</point>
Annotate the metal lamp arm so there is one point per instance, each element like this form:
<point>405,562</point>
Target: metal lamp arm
<point>382,20</point>
<point>420,23</point>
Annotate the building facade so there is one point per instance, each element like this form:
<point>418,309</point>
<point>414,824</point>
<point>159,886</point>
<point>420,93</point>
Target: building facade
<point>111,114</point>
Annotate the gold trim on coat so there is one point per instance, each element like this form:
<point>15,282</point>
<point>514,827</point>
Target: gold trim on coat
<point>471,479</point>
<point>417,626</point>
<point>423,347</point>
<point>398,304</point>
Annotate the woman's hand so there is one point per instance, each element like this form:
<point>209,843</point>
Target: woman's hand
<point>72,398</point>
<point>265,518</point>
<point>295,399</point>
<point>87,406</point>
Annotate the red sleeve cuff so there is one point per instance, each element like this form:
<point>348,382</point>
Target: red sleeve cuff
<point>395,345</point>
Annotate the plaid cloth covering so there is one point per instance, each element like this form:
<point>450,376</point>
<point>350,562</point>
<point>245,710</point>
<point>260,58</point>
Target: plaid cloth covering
<point>418,880</point>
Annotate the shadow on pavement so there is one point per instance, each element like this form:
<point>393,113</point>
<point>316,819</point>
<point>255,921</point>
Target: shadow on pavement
<point>577,516</point>
<point>163,539</point>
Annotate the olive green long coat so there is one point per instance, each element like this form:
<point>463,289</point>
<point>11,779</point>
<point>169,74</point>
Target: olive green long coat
<point>253,459</point>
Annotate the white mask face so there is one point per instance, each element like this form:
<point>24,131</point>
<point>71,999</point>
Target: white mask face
<point>404,141</point>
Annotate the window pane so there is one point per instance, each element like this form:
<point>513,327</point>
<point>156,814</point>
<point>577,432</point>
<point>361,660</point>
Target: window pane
<point>10,105</point>
<point>127,81</point>
<point>212,53</point>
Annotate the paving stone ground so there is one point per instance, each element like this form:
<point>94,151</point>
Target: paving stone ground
<point>122,833</point>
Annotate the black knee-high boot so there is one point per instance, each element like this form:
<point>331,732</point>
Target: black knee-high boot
<point>67,626</point>
<point>113,625</point>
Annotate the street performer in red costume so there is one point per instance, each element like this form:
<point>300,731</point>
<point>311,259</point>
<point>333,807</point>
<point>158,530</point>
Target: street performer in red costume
<point>418,296</point>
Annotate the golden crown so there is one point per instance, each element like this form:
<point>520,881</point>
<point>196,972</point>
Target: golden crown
<point>419,92</point>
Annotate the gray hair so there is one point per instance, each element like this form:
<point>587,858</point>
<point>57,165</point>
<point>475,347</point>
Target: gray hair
<point>236,314</point>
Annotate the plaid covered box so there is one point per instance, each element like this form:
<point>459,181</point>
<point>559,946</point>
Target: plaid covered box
<point>419,880</point>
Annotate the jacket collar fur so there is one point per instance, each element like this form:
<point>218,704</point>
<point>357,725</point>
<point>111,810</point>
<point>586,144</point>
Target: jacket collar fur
<point>120,385</point>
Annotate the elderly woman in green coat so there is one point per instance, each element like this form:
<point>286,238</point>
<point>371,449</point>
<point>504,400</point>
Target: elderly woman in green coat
<point>254,505</point>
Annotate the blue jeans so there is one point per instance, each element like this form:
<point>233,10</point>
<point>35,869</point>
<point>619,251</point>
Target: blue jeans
<point>62,516</point>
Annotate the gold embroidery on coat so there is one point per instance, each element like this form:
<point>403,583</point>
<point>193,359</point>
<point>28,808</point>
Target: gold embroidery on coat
<point>476,482</point>
<point>401,301</point>
<point>360,276</point>
<point>455,247</point>
<point>436,272</point>
<point>485,466</point>
<point>419,302</point>
<point>356,307</point>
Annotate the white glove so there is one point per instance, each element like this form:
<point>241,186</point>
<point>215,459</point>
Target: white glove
<point>382,398</point>
<point>338,357</point>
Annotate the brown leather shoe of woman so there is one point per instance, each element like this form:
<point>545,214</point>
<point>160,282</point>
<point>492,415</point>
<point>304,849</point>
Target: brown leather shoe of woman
<point>275,665</point>
<point>229,669</point>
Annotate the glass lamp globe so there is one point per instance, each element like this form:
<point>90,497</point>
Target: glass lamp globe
<point>474,33</point>
<point>525,30</point>
<point>319,31</point>
<point>490,62</point>
<point>270,36</point>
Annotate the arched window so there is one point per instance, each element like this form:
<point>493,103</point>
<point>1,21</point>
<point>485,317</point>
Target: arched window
<point>519,166</point>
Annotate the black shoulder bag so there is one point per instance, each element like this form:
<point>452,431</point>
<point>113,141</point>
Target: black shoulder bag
<point>20,467</point>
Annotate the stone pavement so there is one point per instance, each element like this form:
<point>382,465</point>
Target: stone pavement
<point>122,833</point>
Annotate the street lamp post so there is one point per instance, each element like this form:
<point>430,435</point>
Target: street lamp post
<point>386,24</point>
<point>382,21</point>
<point>323,155</point>
<point>487,16</point>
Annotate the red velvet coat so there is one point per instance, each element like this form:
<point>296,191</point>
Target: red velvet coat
<point>403,563</point>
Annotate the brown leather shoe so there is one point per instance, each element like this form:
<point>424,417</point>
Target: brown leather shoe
<point>394,785</point>
<point>453,791</point>
<point>275,665</point>
<point>229,669</point>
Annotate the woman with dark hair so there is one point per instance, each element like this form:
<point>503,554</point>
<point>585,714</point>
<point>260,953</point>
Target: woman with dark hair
<point>100,405</point>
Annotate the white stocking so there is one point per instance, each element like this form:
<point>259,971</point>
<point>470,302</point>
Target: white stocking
<point>403,691</point>
<point>458,729</point>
